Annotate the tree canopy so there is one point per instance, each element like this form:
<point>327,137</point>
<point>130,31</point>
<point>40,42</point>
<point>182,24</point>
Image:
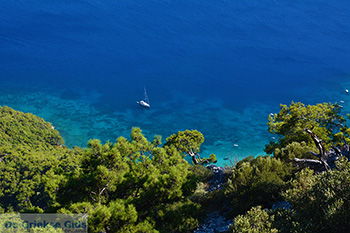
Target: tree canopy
<point>132,185</point>
<point>189,142</point>
<point>257,181</point>
<point>290,123</point>
<point>26,130</point>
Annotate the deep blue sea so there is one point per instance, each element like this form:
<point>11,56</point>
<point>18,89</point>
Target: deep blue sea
<point>217,66</point>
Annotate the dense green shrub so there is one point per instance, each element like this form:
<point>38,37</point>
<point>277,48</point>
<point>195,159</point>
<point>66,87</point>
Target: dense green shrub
<point>255,220</point>
<point>132,185</point>
<point>32,162</point>
<point>322,201</point>
<point>257,182</point>
<point>26,130</point>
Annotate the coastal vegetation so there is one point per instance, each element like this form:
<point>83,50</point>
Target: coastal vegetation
<point>139,185</point>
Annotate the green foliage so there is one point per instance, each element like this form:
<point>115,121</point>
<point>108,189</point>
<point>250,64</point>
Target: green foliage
<point>255,220</point>
<point>286,221</point>
<point>320,204</point>
<point>102,169</point>
<point>189,142</point>
<point>294,150</point>
<point>257,182</point>
<point>149,179</point>
<point>48,229</point>
<point>28,180</point>
<point>117,217</point>
<point>179,216</point>
<point>323,119</point>
<point>186,141</point>
<point>157,140</point>
<point>212,158</point>
<point>322,201</point>
<point>26,130</point>
<point>33,164</point>
<point>200,195</point>
<point>129,186</point>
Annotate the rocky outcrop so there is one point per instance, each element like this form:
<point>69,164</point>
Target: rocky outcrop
<point>214,223</point>
<point>218,179</point>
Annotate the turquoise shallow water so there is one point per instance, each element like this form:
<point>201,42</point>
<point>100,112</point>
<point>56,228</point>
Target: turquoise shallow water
<point>217,66</point>
<point>232,134</point>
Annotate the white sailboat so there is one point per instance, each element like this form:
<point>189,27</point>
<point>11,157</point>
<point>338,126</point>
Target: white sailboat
<point>145,102</point>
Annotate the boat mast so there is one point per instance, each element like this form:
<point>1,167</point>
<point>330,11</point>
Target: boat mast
<point>146,96</point>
